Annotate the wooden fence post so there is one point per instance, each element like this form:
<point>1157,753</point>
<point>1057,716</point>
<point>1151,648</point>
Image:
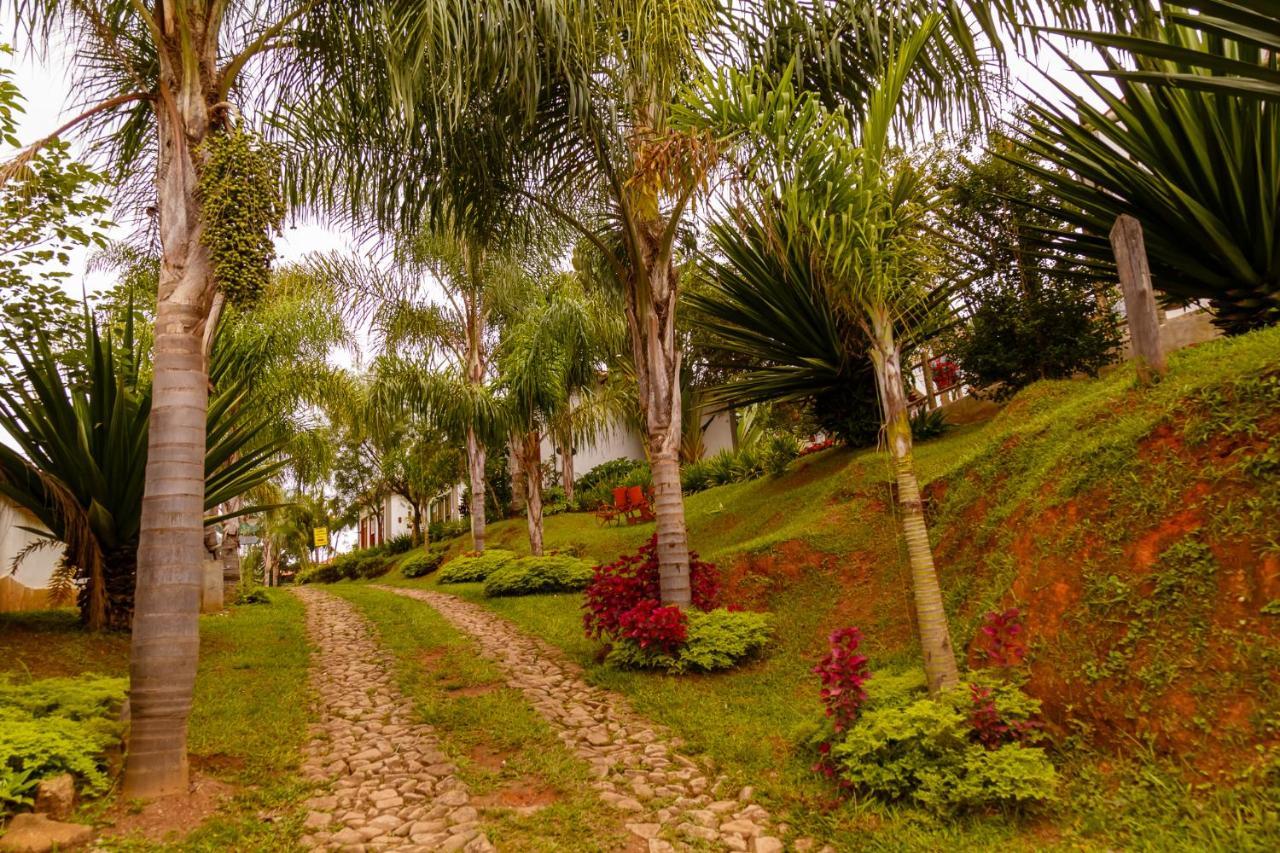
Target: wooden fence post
<point>1139,300</point>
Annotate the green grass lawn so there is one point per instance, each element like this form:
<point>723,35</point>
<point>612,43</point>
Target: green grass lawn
<point>505,752</point>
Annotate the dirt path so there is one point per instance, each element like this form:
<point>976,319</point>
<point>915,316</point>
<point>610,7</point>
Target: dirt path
<point>636,766</point>
<point>392,786</point>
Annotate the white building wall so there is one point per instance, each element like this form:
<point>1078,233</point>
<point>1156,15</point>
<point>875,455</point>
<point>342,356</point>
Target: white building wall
<point>35,570</point>
<point>616,442</point>
<point>717,434</point>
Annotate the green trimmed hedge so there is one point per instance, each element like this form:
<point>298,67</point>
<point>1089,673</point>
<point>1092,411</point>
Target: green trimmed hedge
<point>533,575</point>
<point>423,564</point>
<point>474,568</point>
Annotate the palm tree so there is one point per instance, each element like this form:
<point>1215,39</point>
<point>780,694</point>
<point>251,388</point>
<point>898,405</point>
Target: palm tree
<point>549,383</point>
<point>865,211</point>
<point>163,75</point>
<point>1235,41</point>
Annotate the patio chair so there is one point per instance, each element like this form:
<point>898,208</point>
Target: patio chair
<point>638,507</point>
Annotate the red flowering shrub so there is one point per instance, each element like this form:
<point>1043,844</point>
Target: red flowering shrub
<point>617,588</point>
<point>654,627</point>
<point>817,445</point>
<point>1001,643</point>
<point>990,727</point>
<point>843,672</point>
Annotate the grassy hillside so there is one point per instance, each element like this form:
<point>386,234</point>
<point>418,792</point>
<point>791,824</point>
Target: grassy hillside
<point>1137,529</point>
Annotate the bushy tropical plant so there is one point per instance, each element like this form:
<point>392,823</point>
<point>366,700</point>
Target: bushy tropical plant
<point>1194,163</point>
<point>84,453</point>
<point>534,575</point>
<point>473,567</point>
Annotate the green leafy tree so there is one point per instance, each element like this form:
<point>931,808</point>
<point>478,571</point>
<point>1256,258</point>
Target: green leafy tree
<point>1028,314</point>
<point>49,207</point>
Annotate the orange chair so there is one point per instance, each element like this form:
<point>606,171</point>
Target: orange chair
<point>638,509</point>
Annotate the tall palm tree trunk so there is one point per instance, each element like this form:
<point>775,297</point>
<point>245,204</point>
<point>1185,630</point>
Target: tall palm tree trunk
<point>475,469</point>
<point>566,467</point>
<point>931,618</point>
<point>531,461</point>
<point>652,323</point>
<point>166,638</point>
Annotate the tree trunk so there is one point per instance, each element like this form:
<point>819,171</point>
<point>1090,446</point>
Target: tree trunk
<point>531,461</point>
<point>566,467</point>
<point>268,566</point>
<point>166,638</point>
<point>651,319</point>
<point>415,536</point>
<point>935,640</point>
<point>475,467</point>
<point>514,454</point>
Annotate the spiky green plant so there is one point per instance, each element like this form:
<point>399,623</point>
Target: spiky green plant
<point>1199,167</point>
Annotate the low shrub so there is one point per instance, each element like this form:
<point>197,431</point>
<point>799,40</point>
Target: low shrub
<point>966,749</point>
<point>438,531</point>
<point>370,566</point>
<point>330,572</point>
<point>771,456</point>
<point>474,568</point>
<point>690,641</point>
<point>928,424</point>
<point>398,544</point>
<point>422,564</point>
<point>250,593</point>
<point>534,575</point>
<point>57,725</point>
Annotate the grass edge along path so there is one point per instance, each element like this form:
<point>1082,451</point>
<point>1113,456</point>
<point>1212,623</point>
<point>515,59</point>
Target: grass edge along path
<point>539,796</point>
<point>248,728</point>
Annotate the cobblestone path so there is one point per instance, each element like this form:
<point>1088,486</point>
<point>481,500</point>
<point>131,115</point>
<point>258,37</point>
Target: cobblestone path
<point>636,766</point>
<point>392,786</point>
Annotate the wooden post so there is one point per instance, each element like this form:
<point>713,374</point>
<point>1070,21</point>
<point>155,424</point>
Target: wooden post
<point>1139,300</point>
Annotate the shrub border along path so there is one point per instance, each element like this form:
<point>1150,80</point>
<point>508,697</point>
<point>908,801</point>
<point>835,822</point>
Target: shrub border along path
<point>635,762</point>
<point>393,788</point>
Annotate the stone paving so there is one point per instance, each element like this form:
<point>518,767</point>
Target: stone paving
<point>392,786</point>
<point>666,798</point>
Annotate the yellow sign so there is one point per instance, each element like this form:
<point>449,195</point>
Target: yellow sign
<point>320,536</point>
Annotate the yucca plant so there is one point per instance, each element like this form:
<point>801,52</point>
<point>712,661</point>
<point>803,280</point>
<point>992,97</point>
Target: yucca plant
<point>1199,169</point>
<point>1239,47</point>
<point>82,454</point>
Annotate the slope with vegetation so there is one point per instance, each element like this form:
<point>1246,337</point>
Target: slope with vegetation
<point>1133,530</point>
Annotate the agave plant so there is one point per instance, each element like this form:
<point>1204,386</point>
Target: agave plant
<point>82,454</point>
<point>1200,169</point>
<point>1240,47</point>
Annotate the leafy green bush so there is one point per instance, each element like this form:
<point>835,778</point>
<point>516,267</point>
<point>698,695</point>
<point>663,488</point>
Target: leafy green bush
<point>779,450</point>
<point>717,639</point>
<point>57,725</point>
<point>372,566</point>
<point>771,456</point>
<point>250,593</point>
<point>908,745</point>
<point>398,544</point>
<point>423,564</point>
<point>438,531</point>
<point>533,575</point>
<point>474,568</point>
<point>330,572</point>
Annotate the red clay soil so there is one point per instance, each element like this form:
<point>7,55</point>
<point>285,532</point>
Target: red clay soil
<point>168,816</point>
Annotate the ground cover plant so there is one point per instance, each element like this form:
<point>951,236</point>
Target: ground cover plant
<point>473,568</point>
<point>532,575</point>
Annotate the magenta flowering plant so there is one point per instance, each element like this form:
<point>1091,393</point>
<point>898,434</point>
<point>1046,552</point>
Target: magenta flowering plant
<point>1003,638</point>
<point>843,672</point>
